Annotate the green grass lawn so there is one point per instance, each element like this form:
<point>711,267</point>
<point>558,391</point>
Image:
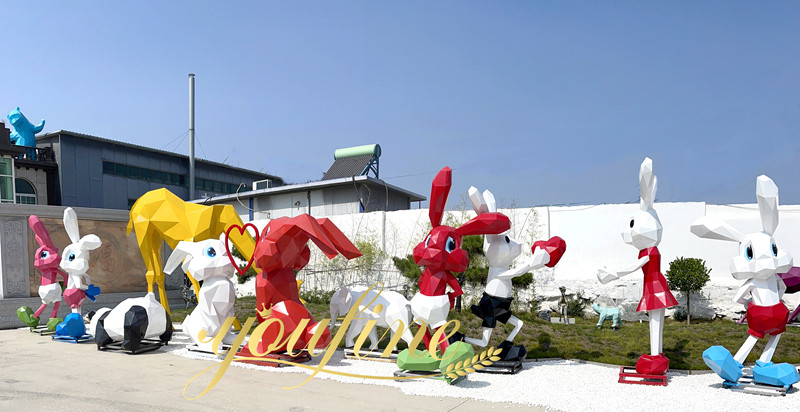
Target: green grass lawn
<point>683,344</point>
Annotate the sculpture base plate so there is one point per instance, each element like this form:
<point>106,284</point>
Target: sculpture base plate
<point>746,384</point>
<point>375,355</point>
<point>269,359</point>
<point>42,331</point>
<point>503,367</point>
<point>628,374</point>
<point>196,350</point>
<point>146,345</point>
<point>72,339</point>
<point>425,374</point>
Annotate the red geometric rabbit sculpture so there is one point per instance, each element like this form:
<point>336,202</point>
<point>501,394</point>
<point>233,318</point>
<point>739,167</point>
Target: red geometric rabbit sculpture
<point>441,254</point>
<point>281,250</point>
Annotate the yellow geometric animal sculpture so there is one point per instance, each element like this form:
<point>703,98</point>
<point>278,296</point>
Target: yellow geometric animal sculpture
<point>160,215</point>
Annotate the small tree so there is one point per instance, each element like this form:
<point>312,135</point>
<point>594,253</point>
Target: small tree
<point>687,275</point>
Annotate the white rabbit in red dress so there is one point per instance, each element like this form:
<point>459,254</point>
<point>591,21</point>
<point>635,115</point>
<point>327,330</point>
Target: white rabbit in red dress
<point>644,233</point>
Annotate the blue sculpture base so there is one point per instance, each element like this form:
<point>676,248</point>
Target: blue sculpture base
<point>73,339</point>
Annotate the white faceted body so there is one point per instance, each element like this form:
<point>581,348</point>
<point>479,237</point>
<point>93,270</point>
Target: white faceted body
<point>758,263</point>
<point>214,306</point>
<point>50,293</point>
<point>395,310</point>
<point>114,323</point>
<point>207,261</point>
<point>500,251</point>
<point>431,309</point>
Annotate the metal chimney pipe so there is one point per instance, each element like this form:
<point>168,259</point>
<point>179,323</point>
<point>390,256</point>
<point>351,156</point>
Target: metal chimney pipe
<point>191,137</point>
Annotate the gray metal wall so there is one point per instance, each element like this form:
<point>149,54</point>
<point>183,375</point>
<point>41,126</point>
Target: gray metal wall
<point>83,183</point>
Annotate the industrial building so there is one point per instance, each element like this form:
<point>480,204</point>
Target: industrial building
<point>351,185</point>
<point>102,173</point>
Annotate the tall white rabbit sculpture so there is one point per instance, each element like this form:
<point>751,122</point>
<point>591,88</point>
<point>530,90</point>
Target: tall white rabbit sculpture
<point>495,304</point>
<point>207,261</point>
<point>75,262</point>
<point>758,264</point>
<point>644,233</point>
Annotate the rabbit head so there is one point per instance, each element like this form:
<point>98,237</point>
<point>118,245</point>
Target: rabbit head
<point>284,242</point>
<point>201,260</point>
<point>500,250</point>
<point>47,256</point>
<point>645,228</point>
<point>759,256</point>
<point>75,257</point>
<point>441,249</point>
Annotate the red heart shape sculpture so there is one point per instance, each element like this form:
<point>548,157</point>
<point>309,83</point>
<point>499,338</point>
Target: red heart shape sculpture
<point>242,229</point>
<point>555,247</point>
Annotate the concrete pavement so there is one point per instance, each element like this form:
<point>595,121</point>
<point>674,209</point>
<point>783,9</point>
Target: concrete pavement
<point>38,374</point>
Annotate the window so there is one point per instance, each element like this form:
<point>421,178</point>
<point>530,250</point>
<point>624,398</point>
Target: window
<point>217,186</point>
<point>108,167</point>
<point>6,180</point>
<point>149,175</point>
<point>130,203</point>
<point>26,194</point>
<point>133,172</point>
<point>208,185</point>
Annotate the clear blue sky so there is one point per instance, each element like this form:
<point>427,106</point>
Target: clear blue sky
<point>541,102</point>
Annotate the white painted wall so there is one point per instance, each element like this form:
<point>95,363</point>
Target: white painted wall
<point>593,236</point>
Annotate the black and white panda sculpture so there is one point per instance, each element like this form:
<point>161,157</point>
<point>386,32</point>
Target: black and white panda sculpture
<point>138,324</point>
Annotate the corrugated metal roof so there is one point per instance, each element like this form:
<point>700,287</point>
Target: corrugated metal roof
<point>347,167</point>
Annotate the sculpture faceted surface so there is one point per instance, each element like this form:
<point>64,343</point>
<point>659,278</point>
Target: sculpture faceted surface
<point>501,250</point>
<point>136,324</point>
<point>47,260</point>
<point>644,233</point>
<point>283,249</point>
<point>159,216</point>
<point>24,133</point>
<point>758,264</point>
<point>207,261</point>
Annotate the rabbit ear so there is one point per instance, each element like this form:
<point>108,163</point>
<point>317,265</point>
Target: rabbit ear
<point>89,242</point>
<point>477,200</point>
<point>647,185</point>
<point>485,224</point>
<point>489,198</point>
<point>767,194</point>
<point>71,225</point>
<point>712,228</point>
<point>42,235</point>
<point>339,240</point>
<point>439,191</point>
<point>182,253</point>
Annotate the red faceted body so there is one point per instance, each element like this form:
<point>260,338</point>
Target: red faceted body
<point>767,320</point>
<point>656,293</point>
<point>441,255</point>
<point>282,249</point>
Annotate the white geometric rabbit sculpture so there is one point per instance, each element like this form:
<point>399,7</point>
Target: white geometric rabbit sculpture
<point>395,308</point>
<point>500,251</point>
<point>758,263</point>
<point>75,261</point>
<point>207,261</point>
<point>644,233</point>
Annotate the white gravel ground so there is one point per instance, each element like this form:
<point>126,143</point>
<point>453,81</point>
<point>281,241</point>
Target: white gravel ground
<point>561,385</point>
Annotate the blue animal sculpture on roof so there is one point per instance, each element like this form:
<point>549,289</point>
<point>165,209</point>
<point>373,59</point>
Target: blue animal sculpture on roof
<point>24,132</point>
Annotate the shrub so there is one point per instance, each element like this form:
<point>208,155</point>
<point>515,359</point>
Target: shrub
<point>577,304</point>
<point>251,271</point>
<point>687,275</point>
